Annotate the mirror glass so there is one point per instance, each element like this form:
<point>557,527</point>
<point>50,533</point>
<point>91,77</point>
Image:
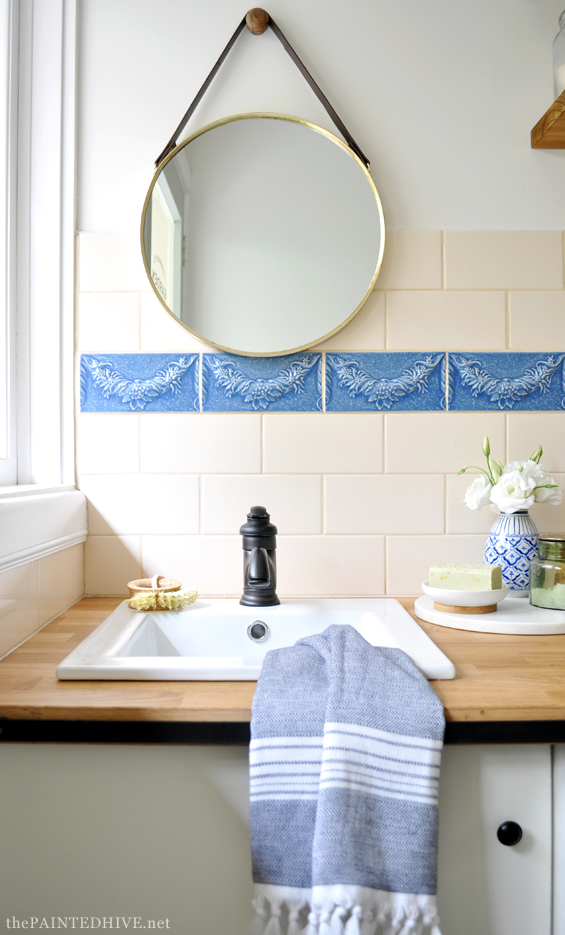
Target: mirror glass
<point>262,234</point>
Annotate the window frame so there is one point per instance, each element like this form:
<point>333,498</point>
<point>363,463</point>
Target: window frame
<point>41,220</point>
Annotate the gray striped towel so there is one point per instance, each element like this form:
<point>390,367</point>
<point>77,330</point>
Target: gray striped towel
<point>344,772</point>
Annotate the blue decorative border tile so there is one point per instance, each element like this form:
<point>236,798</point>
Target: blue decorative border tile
<point>231,383</point>
<point>385,381</point>
<point>134,382</point>
<point>494,381</point>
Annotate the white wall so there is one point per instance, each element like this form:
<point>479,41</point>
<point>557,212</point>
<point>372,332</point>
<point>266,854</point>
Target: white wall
<point>441,95</point>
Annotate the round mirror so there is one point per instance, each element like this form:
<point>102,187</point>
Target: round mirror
<point>262,234</point>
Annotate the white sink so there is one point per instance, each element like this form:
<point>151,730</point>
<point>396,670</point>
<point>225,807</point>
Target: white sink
<point>209,640</point>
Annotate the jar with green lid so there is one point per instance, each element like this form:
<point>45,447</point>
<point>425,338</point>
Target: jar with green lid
<point>547,573</point>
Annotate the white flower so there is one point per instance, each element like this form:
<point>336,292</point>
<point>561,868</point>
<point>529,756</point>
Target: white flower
<point>514,491</point>
<point>539,478</point>
<point>552,495</point>
<point>478,494</point>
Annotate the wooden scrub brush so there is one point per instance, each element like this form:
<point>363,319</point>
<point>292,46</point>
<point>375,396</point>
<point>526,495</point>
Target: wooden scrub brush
<point>159,593</point>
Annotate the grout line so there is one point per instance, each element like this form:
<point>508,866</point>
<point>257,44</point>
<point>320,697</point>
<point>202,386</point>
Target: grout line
<point>383,454</point>
<point>139,315</point>
<point>445,504</point>
<point>385,300</point>
<point>385,564</point>
<point>200,366</point>
<point>507,310</point>
<point>323,502</point>
<point>563,256</point>
<point>443,271</point>
<point>139,471</point>
<point>262,444</point>
<point>200,530</point>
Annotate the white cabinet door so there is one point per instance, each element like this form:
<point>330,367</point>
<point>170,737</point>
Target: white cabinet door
<point>486,888</point>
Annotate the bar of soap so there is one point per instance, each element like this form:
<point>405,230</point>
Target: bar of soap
<point>459,577</point>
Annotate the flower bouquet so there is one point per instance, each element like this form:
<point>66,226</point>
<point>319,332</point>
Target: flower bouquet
<point>511,490</point>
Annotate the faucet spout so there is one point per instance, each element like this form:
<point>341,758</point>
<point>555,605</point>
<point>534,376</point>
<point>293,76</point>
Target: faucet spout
<point>259,569</point>
<point>259,559</point>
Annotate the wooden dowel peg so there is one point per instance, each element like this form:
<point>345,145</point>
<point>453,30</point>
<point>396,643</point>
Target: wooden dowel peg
<point>257,20</point>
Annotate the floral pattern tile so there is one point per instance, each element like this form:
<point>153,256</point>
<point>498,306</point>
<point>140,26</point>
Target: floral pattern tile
<point>511,380</point>
<point>254,384</point>
<point>134,382</point>
<point>400,382</point>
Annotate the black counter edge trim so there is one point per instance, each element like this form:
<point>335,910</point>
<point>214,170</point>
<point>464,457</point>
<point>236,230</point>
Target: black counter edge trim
<point>237,733</point>
<point>181,732</point>
<point>469,732</point>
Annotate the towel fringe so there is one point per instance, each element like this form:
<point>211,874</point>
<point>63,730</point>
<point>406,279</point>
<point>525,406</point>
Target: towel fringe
<point>273,926</point>
<point>294,907</point>
<point>313,924</point>
<point>337,924</point>
<point>260,920</point>
<point>370,923</point>
<point>396,918</point>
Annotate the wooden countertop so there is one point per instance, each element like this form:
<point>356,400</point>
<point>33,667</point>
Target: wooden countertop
<point>499,678</point>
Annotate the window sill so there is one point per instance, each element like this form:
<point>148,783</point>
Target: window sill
<point>35,522</point>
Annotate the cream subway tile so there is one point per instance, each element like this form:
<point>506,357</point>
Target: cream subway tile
<point>110,262</point>
<point>460,519</point>
<point>107,443</point>
<point>412,260</point>
<point>78,571</point>
<point>125,504</point>
<point>439,321</point>
<point>108,322</point>
<point>195,443</point>
<point>365,332</point>
<point>323,443</point>
<point>332,566</point>
<point>503,260</point>
<point>409,558</point>
<point>161,332</point>
<point>20,585</point>
<point>550,518</point>
<point>537,321</point>
<point>526,430</point>
<point>438,442</point>
<point>110,562</point>
<point>211,564</point>
<point>55,584</point>
<point>293,501</point>
<point>383,503</point>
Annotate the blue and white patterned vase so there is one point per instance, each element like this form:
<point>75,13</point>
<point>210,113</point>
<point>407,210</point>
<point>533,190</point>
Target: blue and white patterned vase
<point>513,544</point>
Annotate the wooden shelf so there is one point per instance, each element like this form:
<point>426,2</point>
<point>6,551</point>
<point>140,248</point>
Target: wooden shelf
<point>549,132</point>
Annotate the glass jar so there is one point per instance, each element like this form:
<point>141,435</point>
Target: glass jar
<point>559,58</point>
<point>547,573</point>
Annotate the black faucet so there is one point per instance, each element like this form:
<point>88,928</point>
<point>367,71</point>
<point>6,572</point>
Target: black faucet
<point>259,559</point>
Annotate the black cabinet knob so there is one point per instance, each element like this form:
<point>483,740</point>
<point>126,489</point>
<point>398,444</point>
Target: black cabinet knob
<point>509,833</point>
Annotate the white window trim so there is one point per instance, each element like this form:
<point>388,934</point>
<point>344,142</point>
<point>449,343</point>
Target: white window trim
<point>41,234</point>
<point>45,240</point>
<point>8,179</point>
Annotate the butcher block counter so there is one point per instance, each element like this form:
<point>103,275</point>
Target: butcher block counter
<point>508,689</point>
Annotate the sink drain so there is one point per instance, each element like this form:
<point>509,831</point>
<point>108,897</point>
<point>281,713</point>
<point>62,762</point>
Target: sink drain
<point>258,631</point>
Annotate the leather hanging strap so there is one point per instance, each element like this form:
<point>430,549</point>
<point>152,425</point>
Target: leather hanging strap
<point>299,64</point>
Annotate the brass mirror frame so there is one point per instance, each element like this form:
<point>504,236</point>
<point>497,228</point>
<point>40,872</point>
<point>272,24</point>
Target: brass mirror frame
<point>317,129</point>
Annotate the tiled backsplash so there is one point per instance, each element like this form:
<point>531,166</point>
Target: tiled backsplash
<point>34,593</point>
<point>354,447</point>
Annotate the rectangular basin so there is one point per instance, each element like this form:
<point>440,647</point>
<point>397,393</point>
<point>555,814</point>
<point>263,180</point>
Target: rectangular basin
<point>209,640</point>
